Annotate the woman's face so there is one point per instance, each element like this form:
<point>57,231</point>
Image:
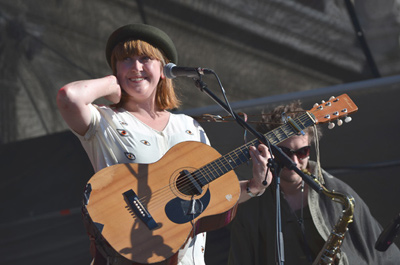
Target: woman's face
<point>138,76</point>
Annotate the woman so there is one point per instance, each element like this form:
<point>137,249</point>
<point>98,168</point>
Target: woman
<point>138,128</point>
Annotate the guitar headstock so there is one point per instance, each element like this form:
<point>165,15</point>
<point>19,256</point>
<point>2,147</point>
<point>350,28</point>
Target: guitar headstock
<point>337,108</point>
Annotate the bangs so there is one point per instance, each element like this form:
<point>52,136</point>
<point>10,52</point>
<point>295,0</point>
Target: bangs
<point>137,48</point>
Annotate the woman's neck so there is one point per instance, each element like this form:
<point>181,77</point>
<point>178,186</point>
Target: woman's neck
<point>155,119</point>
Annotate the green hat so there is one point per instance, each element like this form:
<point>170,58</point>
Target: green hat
<point>147,33</point>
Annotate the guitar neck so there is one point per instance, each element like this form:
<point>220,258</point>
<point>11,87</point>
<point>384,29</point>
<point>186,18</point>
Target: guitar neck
<point>240,155</point>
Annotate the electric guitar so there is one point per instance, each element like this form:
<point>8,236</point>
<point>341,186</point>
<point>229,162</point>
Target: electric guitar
<point>147,212</point>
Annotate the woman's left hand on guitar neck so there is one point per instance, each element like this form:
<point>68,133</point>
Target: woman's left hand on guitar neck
<point>254,187</point>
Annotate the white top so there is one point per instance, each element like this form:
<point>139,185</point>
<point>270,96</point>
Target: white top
<point>116,136</point>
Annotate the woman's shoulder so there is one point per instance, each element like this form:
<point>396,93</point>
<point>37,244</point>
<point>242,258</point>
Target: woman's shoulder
<point>183,118</point>
<point>109,109</point>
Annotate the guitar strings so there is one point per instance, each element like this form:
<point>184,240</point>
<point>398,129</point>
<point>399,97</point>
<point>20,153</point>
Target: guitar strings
<point>207,172</point>
<point>229,118</point>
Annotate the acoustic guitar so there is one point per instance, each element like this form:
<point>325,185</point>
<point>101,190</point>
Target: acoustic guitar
<point>147,212</point>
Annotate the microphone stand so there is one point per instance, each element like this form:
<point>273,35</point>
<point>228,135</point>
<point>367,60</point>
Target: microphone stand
<point>279,156</point>
<point>280,249</point>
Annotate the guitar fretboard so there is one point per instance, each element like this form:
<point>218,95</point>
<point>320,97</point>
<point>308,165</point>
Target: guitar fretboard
<point>240,155</point>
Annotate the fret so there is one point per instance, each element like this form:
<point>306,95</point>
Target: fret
<point>217,168</point>
<point>282,135</point>
<point>204,175</point>
<point>222,165</point>
<point>223,162</point>
<point>300,122</point>
<point>232,160</point>
<point>273,137</point>
<point>244,154</point>
<point>278,137</point>
<point>208,169</point>
<point>288,131</point>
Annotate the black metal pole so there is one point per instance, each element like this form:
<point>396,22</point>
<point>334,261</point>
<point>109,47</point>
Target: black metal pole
<point>361,39</point>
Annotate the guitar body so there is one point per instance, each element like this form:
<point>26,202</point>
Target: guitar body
<point>176,213</point>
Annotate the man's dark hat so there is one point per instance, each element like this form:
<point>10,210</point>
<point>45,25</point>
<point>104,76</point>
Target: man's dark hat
<point>147,33</point>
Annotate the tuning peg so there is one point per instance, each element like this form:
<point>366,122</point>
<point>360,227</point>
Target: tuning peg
<point>320,107</point>
<point>339,122</point>
<point>331,125</point>
<point>323,101</point>
<point>348,119</point>
<point>331,98</point>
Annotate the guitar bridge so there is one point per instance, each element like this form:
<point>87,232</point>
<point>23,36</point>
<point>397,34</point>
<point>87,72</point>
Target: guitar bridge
<point>139,209</point>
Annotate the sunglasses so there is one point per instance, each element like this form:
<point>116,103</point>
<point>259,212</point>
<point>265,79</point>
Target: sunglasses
<point>301,153</point>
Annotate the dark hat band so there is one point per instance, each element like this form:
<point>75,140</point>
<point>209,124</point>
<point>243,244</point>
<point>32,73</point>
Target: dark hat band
<point>147,33</point>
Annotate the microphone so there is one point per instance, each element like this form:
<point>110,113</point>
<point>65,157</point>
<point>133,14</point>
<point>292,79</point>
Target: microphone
<point>171,71</point>
<point>388,235</point>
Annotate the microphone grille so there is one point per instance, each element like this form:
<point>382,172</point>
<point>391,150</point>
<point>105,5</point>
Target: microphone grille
<point>168,70</point>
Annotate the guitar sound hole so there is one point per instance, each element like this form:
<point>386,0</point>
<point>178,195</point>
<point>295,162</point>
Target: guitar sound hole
<point>188,184</point>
